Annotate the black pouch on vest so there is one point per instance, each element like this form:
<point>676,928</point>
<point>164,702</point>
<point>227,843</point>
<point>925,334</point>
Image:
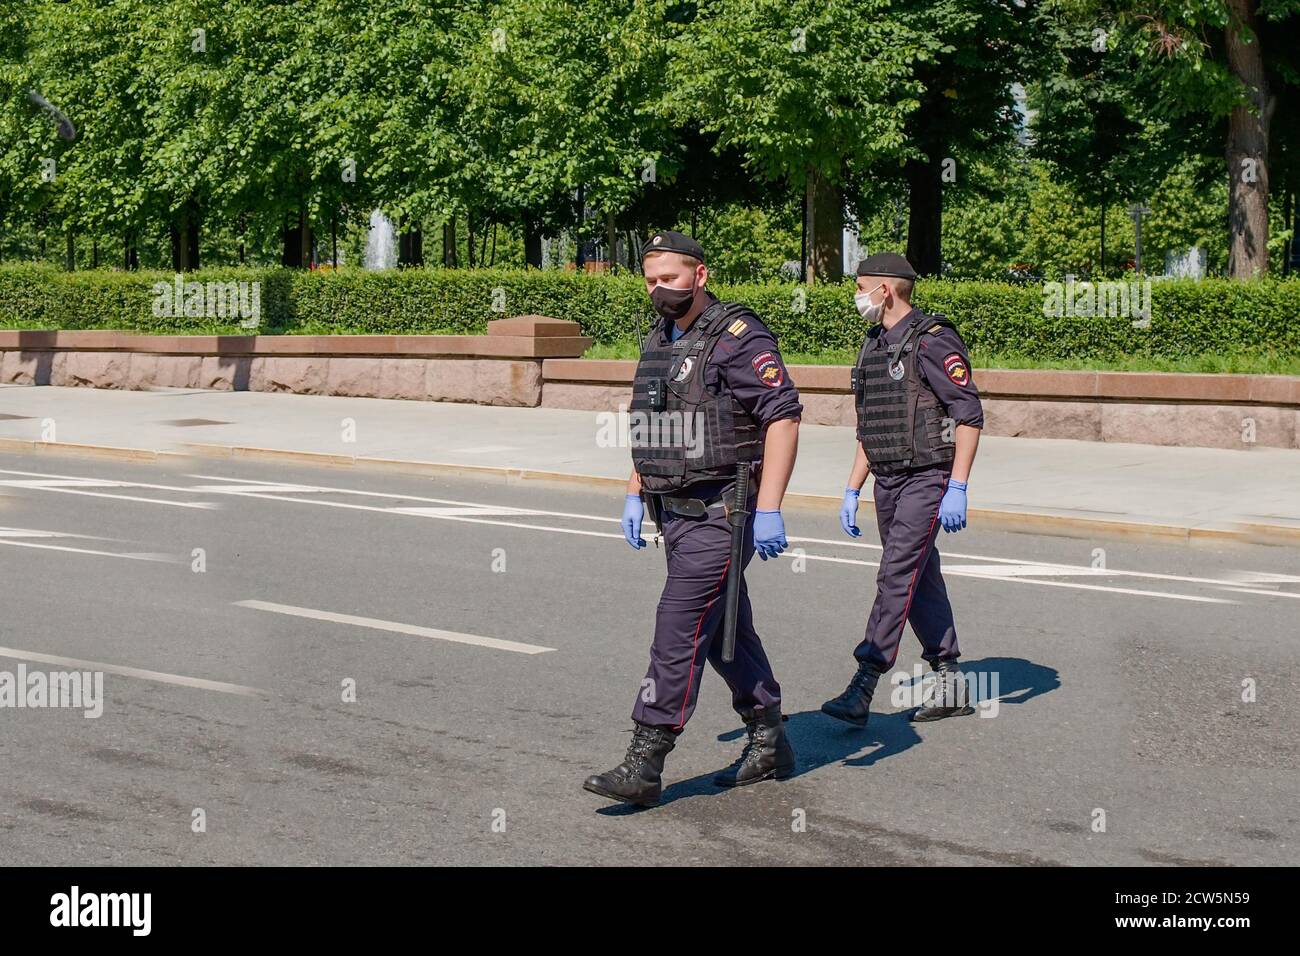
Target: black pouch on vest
<point>657,394</point>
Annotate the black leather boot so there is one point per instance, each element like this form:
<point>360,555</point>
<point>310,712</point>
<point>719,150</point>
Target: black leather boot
<point>854,705</point>
<point>767,753</point>
<point>636,779</point>
<point>947,697</point>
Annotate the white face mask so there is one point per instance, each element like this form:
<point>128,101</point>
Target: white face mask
<point>871,311</point>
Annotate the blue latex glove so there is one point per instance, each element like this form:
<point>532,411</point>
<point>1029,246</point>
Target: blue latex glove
<point>952,510</point>
<point>849,512</point>
<point>633,511</point>
<point>769,534</point>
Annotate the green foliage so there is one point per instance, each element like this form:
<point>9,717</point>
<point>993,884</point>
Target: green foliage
<point>1189,319</point>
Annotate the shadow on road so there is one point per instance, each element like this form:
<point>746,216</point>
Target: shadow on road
<point>819,740</point>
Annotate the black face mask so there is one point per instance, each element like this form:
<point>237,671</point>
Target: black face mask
<point>672,304</point>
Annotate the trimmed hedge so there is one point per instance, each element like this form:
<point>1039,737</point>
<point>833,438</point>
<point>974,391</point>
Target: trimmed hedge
<point>1188,317</point>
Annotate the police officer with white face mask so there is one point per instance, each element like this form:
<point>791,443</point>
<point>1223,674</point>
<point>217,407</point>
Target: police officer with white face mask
<point>918,424</point>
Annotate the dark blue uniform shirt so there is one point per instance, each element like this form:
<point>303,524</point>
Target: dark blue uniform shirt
<point>944,365</point>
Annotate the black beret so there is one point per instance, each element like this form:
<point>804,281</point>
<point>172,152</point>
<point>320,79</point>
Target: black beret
<point>886,264</point>
<point>673,242</point>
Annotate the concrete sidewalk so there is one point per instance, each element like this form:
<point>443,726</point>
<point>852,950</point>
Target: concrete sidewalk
<point>1070,487</point>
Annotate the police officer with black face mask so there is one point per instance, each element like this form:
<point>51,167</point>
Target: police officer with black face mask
<point>919,420</point>
<point>711,394</point>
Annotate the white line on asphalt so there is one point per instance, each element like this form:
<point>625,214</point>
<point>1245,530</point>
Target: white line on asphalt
<point>1024,570</point>
<point>35,533</point>
<point>484,511</point>
<point>1281,594</point>
<point>1109,572</point>
<point>159,676</point>
<point>396,627</point>
<point>283,489</point>
<point>383,494</point>
<point>599,534</point>
<point>811,557</point>
<point>136,556</point>
<point>1047,584</point>
<point>201,505</point>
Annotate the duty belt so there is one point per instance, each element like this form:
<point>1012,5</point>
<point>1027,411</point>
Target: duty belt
<point>692,507</point>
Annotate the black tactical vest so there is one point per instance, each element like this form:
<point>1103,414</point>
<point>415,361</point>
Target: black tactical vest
<point>680,433</point>
<point>902,425</point>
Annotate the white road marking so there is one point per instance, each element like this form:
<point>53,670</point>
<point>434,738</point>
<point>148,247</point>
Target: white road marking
<point>1281,594</point>
<point>395,627</point>
<point>282,489</point>
<point>62,483</point>
<point>482,512</point>
<point>136,556</point>
<point>45,486</point>
<point>383,494</point>
<point>35,533</point>
<point>1022,570</point>
<point>158,676</point>
<point>1110,572</point>
<point>450,514</point>
<point>1046,584</point>
<point>1262,577</point>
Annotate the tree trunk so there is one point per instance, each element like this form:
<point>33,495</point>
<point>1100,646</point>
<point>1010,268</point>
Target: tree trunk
<point>94,253</point>
<point>532,244</point>
<point>1102,270</point>
<point>130,255</point>
<point>469,238</point>
<point>824,221</point>
<point>297,244</point>
<point>449,243</point>
<point>925,215</point>
<point>1247,146</point>
<point>611,239</point>
<point>70,255</point>
<point>410,247</point>
<point>184,229</point>
<point>1292,218</point>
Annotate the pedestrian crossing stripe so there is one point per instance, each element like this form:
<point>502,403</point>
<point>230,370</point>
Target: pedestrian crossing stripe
<point>737,328</point>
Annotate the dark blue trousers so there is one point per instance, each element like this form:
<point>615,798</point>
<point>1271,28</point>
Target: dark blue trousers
<point>688,626</point>
<point>909,585</point>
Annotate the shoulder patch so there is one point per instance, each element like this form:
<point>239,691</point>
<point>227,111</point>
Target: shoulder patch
<point>738,328</point>
<point>955,367</point>
<point>768,369</point>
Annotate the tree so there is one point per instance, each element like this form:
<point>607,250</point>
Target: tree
<point>803,90</point>
<point>1236,59</point>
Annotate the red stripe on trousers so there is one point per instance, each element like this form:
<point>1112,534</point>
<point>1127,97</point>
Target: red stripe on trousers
<point>695,649</point>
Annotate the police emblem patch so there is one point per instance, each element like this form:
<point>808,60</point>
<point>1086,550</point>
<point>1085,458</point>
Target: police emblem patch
<point>684,372</point>
<point>768,369</point>
<point>896,371</point>
<point>956,368</point>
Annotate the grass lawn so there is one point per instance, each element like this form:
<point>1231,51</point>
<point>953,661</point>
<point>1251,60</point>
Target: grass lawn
<point>1264,364</point>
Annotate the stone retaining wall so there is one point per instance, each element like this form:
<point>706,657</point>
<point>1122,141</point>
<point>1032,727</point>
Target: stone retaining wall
<point>533,360</point>
<point>1208,411</point>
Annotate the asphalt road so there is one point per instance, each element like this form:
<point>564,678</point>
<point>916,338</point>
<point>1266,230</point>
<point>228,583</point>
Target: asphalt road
<point>1119,734</point>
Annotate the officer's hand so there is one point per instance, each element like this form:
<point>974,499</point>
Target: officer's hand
<point>952,510</point>
<point>849,512</point>
<point>769,534</point>
<point>633,511</point>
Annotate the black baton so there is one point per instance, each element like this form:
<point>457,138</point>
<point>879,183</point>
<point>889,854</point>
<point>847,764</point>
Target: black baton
<point>736,518</point>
